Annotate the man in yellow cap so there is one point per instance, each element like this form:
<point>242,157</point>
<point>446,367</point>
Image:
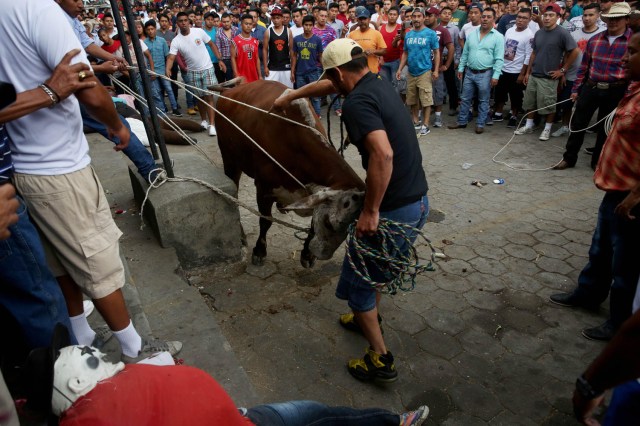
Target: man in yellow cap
<point>380,127</point>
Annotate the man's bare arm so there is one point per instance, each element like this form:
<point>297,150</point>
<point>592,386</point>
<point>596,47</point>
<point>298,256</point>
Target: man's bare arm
<point>378,175</point>
<point>99,104</point>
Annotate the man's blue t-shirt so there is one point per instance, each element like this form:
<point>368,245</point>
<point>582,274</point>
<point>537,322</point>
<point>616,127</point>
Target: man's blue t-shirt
<point>308,51</point>
<point>212,34</point>
<point>419,45</point>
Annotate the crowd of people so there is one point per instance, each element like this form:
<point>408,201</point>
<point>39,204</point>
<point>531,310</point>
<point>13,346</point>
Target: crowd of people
<point>371,59</point>
<point>534,76</point>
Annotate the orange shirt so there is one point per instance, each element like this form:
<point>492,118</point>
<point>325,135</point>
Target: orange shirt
<point>369,40</point>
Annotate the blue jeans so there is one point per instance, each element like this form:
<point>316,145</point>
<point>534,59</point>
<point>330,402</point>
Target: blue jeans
<point>136,152</point>
<point>311,413</point>
<point>155,93</point>
<point>359,294</point>
<point>191,101</point>
<point>472,82</point>
<point>624,408</point>
<point>164,86</point>
<point>28,289</point>
<point>613,261</point>
<point>388,71</point>
<point>308,78</point>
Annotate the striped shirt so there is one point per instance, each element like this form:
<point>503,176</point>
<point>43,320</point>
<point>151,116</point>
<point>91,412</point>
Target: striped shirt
<point>618,165</point>
<point>602,61</point>
<point>6,165</point>
<point>224,43</point>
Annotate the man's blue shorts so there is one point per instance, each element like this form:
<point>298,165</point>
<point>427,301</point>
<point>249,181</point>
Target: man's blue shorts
<point>360,295</point>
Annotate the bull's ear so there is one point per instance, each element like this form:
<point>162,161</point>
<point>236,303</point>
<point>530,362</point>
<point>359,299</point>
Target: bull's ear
<point>312,200</point>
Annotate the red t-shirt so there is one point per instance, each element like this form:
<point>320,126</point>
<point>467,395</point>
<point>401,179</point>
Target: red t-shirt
<point>246,57</point>
<point>344,18</point>
<point>151,395</point>
<point>112,49</point>
<point>393,53</point>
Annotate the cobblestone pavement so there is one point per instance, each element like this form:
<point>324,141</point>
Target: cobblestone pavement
<point>477,340</point>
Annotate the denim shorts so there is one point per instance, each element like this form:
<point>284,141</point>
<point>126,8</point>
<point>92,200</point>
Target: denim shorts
<point>360,296</point>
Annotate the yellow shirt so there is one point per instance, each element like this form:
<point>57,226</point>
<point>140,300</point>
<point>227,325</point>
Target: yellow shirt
<point>369,40</point>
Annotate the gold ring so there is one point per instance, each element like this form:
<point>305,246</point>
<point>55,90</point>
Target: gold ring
<point>82,75</point>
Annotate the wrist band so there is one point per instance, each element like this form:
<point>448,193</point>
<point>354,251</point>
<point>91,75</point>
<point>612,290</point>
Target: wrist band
<point>52,95</point>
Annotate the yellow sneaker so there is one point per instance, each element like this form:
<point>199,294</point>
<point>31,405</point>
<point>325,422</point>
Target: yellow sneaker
<point>374,366</point>
<point>349,322</point>
<point>191,111</point>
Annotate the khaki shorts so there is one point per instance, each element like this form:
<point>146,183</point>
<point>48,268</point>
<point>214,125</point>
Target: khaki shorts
<point>420,90</point>
<point>79,234</point>
<point>540,93</point>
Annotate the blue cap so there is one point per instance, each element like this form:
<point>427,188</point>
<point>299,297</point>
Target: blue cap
<point>362,12</point>
<point>476,6</point>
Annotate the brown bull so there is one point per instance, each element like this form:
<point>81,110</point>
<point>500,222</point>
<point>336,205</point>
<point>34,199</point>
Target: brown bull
<point>332,192</point>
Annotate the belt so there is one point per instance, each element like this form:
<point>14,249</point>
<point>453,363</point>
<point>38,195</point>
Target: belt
<point>479,71</point>
<point>604,85</point>
<point>546,77</point>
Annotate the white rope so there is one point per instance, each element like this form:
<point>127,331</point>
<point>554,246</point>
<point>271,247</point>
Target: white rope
<point>608,122</point>
<point>162,178</point>
<point>184,86</point>
<point>164,118</point>
<point>218,94</point>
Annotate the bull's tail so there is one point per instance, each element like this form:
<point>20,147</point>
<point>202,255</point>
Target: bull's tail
<point>227,84</point>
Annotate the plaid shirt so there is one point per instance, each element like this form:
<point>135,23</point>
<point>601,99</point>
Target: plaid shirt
<point>602,62</point>
<point>618,165</point>
<point>224,43</point>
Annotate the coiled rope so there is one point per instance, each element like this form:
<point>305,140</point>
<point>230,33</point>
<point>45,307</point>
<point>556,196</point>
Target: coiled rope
<point>383,252</point>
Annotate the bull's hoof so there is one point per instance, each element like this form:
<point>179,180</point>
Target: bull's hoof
<point>257,260</point>
<point>307,260</point>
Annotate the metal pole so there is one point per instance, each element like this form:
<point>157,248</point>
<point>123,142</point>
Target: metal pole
<point>146,85</point>
<point>132,76</point>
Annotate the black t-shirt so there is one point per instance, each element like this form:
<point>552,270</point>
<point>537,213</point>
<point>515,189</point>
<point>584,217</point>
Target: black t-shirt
<point>374,105</point>
<point>279,50</point>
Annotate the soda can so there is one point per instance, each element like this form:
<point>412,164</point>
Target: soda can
<point>498,181</point>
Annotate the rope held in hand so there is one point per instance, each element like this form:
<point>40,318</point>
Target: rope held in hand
<point>400,267</point>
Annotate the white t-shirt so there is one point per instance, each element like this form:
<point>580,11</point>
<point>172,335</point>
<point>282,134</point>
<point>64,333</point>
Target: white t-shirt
<point>48,141</point>
<point>132,52</point>
<point>467,29</point>
<point>296,31</point>
<point>193,49</point>
<point>581,39</point>
<point>534,26</point>
<point>517,49</point>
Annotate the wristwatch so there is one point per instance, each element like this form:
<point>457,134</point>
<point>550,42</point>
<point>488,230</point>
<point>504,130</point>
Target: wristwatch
<point>562,70</point>
<point>585,389</point>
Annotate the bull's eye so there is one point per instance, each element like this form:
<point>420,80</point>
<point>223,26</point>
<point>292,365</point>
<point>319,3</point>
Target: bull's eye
<point>346,205</point>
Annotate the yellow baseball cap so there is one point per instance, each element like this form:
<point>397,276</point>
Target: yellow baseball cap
<point>337,53</point>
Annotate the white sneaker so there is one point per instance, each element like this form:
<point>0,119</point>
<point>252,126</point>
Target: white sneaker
<point>212,130</point>
<point>204,124</point>
<point>524,130</point>
<point>544,136</point>
<point>560,132</point>
<point>437,122</point>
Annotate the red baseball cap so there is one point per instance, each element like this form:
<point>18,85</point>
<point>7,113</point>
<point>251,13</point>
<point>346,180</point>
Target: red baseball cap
<point>554,8</point>
<point>433,11</point>
<point>276,11</point>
